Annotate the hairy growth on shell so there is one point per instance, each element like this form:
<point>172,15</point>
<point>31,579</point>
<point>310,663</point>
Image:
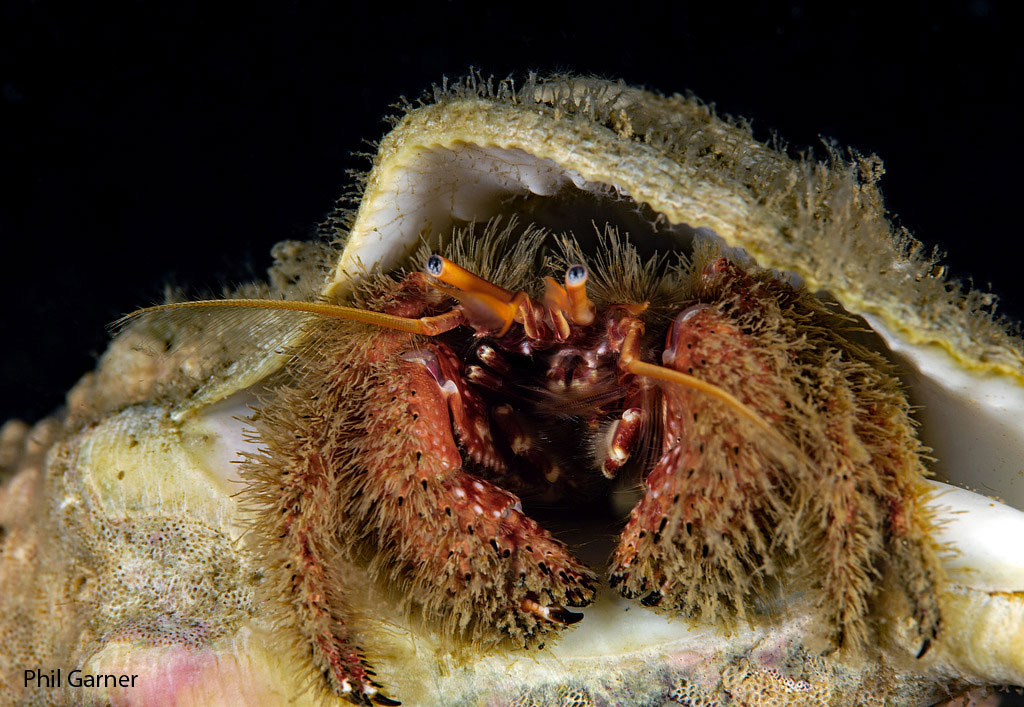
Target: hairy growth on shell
<point>819,216</point>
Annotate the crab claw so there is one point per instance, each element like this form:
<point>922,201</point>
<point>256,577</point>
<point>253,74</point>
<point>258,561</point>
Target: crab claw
<point>554,613</point>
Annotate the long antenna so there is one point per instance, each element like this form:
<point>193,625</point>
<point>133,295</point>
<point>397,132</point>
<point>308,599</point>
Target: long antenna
<point>427,326</point>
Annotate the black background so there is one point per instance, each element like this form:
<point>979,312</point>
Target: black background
<point>147,145</point>
<point>144,145</point>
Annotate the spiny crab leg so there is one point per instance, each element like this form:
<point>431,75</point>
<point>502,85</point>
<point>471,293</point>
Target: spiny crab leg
<point>481,561</point>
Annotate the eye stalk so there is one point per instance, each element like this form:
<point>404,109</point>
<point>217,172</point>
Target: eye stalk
<point>458,277</point>
<point>486,307</point>
<point>581,309</point>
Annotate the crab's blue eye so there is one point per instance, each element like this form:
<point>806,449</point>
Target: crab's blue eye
<point>576,274</point>
<point>434,265</point>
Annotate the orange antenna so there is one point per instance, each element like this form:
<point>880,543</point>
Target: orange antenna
<point>650,370</point>
<point>427,326</point>
<point>629,361</point>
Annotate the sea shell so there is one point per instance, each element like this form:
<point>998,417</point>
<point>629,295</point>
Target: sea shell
<point>125,551</point>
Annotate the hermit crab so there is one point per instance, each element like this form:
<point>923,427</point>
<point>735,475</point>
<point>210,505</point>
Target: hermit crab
<point>602,402</point>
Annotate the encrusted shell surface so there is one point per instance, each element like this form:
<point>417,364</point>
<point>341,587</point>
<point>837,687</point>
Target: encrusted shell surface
<point>124,548</point>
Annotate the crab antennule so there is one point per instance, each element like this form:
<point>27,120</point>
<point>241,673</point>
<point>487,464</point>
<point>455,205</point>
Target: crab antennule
<point>556,302</point>
<point>427,326</point>
<point>481,311</point>
<point>556,299</point>
<point>581,309</point>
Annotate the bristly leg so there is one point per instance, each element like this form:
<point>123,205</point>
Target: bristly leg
<point>361,457</point>
<point>727,506</point>
<point>699,539</point>
<point>294,493</point>
<point>473,559</point>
